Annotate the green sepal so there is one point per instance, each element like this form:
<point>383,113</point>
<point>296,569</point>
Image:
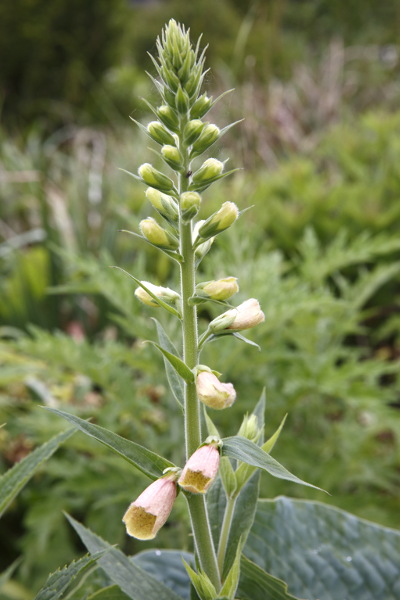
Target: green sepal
<point>201,582</point>
<point>163,304</point>
<point>148,462</point>
<point>248,452</point>
<point>232,579</point>
<point>180,367</point>
<point>200,187</point>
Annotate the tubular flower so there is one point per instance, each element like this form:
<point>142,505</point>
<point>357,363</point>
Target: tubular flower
<point>200,470</point>
<point>246,315</point>
<point>148,513</point>
<point>213,393</point>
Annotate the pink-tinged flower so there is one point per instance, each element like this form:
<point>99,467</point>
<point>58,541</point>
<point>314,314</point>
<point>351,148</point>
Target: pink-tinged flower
<point>212,392</point>
<point>148,513</point>
<point>200,470</point>
<point>246,315</point>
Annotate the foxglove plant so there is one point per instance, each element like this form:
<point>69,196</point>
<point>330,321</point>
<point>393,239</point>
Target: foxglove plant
<point>183,136</point>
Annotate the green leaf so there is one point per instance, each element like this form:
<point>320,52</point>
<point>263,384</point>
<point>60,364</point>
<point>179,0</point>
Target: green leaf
<point>246,451</point>
<point>58,582</point>
<point>232,579</point>
<point>113,592</point>
<point>12,482</point>
<point>132,580</point>
<point>150,463</point>
<point>180,367</point>
<point>174,380</point>
<point>246,340</point>
<point>353,558</point>
<point>201,583</point>
<point>6,575</point>
<point>167,567</point>
<point>163,304</point>
<point>256,584</point>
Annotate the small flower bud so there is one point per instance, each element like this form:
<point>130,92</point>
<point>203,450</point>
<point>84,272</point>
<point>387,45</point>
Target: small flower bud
<point>159,133</point>
<point>182,101</point>
<point>246,315</point>
<point>163,293</point>
<point>155,178</point>
<point>249,428</point>
<point>190,204</point>
<point>200,107</point>
<point>219,221</point>
<point>208,136</point>
<point>221,289</point>
<point>165,205</point>
<point>168,117</point>
<point>192,131</point>
<point>201,248</point>
<point>158,236</point>
<point>148,513</point>
<point>172,156</point>
<point>200,470</point>
<point>209,170</point>
<point>213,393</point>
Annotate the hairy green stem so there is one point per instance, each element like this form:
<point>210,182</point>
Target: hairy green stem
<point>197,506</point>
<point>225,530</point>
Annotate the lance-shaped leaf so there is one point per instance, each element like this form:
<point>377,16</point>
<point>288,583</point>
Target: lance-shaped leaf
<point>257,584</point>
<point>112,592</point>
<point>58,582</point>
<point>180,367</point>
<point>136,583</point>
<point>232,579</point>
<point>246,451</point>
<point>170,253</point>
<point>12,482</point>
<point>150,463</point>
<point>174,380</point>
<point>163,304</point>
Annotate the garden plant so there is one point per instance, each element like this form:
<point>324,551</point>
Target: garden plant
<point>243,547</point>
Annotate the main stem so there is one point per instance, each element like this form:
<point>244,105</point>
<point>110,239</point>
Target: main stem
<point>197,506</point>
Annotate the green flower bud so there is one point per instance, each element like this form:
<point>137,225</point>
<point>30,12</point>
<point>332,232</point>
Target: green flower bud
<point>208,172</point>
<point>219,221</point>
<point>154,233</point>
<point>172,156</point>
<point>165,205</point>
<point>182,101</point>
<point>200,107</point>
<point>163,293</point>
<point>192,131</point>
<point>190,204</point>
<point>249,428</point>
<point>221,290</point>
<point>159,133</point>
<point>208,136</point>
<point>168,117</point>
<point>155,178</point>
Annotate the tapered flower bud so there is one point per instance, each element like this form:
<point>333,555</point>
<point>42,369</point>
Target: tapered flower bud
<point>219,221</point>
<point>192,131</point>
<point>221,289</point>
<point>246,315</point>
<point>148,513</point>
<point>159,133</point>
<point>164,204</point>
<point>155,178</point>
<point>182,101</point>
<point>158,236</point>
<point>168,117</point>
<point>200,470</point>
<point>213,393</point>
<point>200,107</point>
<point>190,204</point>
<point>208,136</point>
<point>208,172</point>
<point>163,293</point>
<point>172,156</point>
<point>249,428</point>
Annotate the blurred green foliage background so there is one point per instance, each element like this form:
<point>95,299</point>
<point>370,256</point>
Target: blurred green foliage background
<point>318,85</point>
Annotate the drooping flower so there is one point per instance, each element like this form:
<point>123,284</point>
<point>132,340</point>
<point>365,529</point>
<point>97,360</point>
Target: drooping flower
<point>212,392</point>
<point>148,513</point>
<point>201,469</point>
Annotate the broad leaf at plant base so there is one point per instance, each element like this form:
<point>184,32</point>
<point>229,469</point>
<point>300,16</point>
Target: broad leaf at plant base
<point>167,566</point>
<point>150,463</point>
<point>256,584</point>
<point>132,580</point>
<point>328,554</point>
